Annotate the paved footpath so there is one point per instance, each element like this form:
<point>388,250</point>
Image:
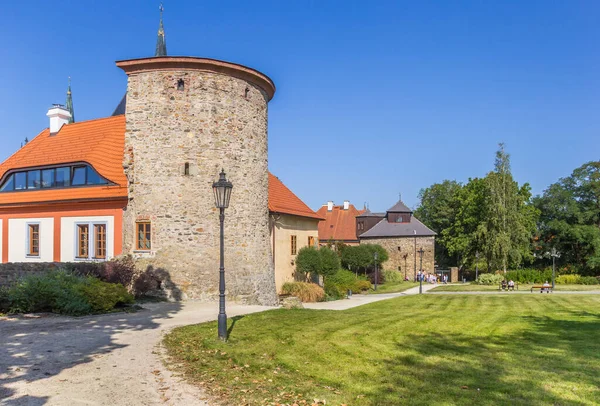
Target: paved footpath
<point>99,360</point>
<point>359,300</point>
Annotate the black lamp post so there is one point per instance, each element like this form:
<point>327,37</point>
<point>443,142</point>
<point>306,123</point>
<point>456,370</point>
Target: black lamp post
<point>222,189</point>
<point>421,251</point>
<point>476,265</point>
<point>375,257</point>
<point>555,254</point>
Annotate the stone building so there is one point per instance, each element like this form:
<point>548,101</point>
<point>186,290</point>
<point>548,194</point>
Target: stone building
<point>338,224</point>
<point>402,235</point>
<point>140,182</point>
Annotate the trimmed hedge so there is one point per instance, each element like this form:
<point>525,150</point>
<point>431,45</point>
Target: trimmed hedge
<point>489,279</point>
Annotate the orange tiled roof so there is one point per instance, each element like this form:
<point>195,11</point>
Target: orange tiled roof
<point>98,142</point>
<point>283,200</point>
<point>339,224</point>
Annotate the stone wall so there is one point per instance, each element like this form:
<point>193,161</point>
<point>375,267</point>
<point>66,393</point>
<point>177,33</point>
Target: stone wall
<point>216,121</point>
<point>398,247</point>
<point>13,271</point>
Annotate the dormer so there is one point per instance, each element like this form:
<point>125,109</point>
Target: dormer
<point>399,213</point>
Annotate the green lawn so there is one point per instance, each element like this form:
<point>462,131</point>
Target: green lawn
<point>417,350</point>
<point>466,287</point>
<point>393,287</point>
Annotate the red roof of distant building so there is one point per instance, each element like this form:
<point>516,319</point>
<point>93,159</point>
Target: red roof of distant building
<point>283,200</point>
<point>339,224</point>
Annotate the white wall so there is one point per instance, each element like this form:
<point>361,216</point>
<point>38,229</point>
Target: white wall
<point>18,234</point>
<point>68,235</point>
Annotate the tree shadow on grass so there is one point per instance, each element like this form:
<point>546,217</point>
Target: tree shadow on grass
<point>556,361</point>
<point>37,349</point>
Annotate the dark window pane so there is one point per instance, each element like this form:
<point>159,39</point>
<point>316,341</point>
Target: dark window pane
<point>20,180</point>
<point>93,178</point>
<point>78,176</point>
<point>48,178</point>
<point>63,177</point>
<point>9,184</point>
<point>33,180</point>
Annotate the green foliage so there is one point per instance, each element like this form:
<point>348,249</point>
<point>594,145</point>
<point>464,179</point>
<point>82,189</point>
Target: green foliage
<point>489,279</point>
<point>392,276</point>
<point>345,280</point>
<point>382,254</point>
<point>568,279</point>
<point>306,292</point>
<point>530,275</point>
<point>589,280</point>
<point>63,292</point>
<point>330,262</point>
<point>356,258</point>
<point>308,261</point>
<point>103,296</point>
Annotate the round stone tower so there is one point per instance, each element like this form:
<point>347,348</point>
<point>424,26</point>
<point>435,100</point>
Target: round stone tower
<point>186,119</point>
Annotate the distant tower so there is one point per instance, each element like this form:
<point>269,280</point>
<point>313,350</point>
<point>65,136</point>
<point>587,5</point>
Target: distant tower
<point>161,42</point>
<point>186,118</point>
<point>69,103</point>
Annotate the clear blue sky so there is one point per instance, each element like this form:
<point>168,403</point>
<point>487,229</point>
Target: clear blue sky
<point>373,98</point>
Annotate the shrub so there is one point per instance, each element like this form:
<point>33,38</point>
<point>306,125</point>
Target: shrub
<point>530,275</point>
<point>589,280</point>
<point>568,279</point>
<point>307,292</point>
<point>346,280</point>
<point>103,296</point>
<point>489,279</point>
<point>64,292</point>
<point>334,292</point>
<point>392,276</point>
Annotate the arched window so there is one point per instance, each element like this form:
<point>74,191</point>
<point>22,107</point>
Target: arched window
<point>55,177</point>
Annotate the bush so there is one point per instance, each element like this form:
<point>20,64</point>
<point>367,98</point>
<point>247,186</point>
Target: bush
<point>392,276</point>
<point>568,279</point>
<point>103,296</point>
<point>307,292</point>
<point>334,292</point>
<point>308,261</point>
<point>347,280</point>
<point>489,279</point>
<point>330,262</point>
<point>64,292</point>
<point>589,280</point>
<point>530,275</point>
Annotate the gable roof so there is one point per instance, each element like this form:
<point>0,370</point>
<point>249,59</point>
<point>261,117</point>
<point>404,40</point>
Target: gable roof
<point>283,200</point>
<point>99,143</point>
<point>339,224</point>
<point>399,207</point>
<point>386,229</point>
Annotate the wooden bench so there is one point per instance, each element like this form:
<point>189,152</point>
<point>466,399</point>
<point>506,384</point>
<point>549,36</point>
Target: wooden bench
<point>541,288</point>
<point>506,287</point>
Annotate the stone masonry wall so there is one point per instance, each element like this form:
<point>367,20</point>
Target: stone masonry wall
<point>13,271</point>
<point>217,121</point>
<point>396,259</point>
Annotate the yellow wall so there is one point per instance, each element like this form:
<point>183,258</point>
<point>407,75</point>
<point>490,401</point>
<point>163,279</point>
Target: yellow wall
<point>283,226</point>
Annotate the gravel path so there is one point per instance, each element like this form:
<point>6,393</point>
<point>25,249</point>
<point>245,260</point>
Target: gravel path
<point>98,360</point>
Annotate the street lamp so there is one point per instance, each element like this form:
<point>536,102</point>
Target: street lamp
<point>222,190</point>
<point>476,265</point>
<point>421,251</point>
<point>376,257</point>
<point>554,254</point>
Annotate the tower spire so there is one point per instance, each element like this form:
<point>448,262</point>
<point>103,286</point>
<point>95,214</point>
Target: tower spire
<point>161,42</point>
<point>69,103</point>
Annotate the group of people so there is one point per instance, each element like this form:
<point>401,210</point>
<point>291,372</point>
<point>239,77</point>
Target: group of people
<point>430,278</point>
<point>510,285</point>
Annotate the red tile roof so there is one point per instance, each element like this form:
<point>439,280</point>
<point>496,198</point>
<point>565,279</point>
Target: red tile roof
<point>283,200</point>
<point>99,143</point>
<point>339,224</point>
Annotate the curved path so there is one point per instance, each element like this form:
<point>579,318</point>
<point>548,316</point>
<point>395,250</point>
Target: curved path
<point>110,359</point>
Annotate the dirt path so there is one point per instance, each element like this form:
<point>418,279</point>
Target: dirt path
<point>98,360</point>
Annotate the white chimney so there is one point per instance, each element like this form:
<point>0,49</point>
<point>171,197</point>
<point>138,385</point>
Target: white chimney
<point>330,205</point>
<point>346,204</point>
<point>58,116</point>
